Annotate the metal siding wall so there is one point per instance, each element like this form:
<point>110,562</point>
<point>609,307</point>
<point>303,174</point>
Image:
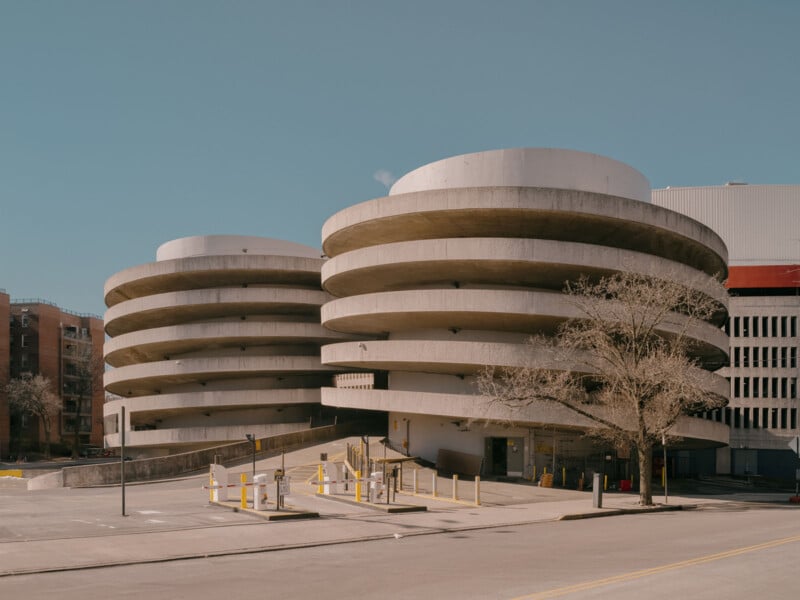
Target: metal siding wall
<point>759,223</point>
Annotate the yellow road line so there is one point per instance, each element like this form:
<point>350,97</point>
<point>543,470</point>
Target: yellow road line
<point>580,587</point>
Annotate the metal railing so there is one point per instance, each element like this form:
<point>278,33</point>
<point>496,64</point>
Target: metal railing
<point>53,304</point>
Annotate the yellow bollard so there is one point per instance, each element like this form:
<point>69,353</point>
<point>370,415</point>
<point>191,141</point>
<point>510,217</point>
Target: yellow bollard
<point>563,476</point>
<point>210,489</point>
<point>358,486</point>
<point>319,479</point>
<point>243,480</point>
<point>534,472</point>
<point>477,491</point>
<point>455,487</point>
<point>544,471</point>
<point>605,482</point>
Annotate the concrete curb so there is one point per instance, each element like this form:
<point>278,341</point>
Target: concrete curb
<point>287,513</point>
<point>614,512</point>
<point>386,508</point>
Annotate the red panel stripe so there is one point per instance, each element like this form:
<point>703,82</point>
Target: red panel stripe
<point>766,276</point>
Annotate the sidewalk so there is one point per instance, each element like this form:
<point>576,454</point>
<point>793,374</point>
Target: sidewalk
<point>84,528</point>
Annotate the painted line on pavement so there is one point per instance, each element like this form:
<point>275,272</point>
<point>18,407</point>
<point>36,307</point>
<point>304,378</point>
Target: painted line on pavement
<point>581,587</point>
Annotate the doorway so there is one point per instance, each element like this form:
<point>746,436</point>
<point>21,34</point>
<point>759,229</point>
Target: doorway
<point>504,456</point>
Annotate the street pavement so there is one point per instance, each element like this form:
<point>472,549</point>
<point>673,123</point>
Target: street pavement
<point>70,529</point>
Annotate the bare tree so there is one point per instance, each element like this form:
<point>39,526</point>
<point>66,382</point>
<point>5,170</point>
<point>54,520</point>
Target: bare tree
<point>33,395</point>
<point>627,364</point>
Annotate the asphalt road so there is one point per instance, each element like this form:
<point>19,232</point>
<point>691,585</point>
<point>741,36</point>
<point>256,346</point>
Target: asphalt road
<point>739,551</point>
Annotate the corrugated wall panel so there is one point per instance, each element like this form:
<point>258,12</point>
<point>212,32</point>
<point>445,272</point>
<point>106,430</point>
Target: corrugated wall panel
<point>760,224</point>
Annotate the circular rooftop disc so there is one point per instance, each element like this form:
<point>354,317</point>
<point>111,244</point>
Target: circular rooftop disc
<point>226,245</point>
<point>529,167</point>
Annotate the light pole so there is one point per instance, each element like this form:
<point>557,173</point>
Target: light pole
<point>252,439</point>
<point>664,445</point>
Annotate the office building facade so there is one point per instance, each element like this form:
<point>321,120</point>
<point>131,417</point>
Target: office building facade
<point>759,226</point>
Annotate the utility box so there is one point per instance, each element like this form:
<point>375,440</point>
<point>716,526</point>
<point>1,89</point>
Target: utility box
<point>375,486</point>
<point>330,475</point>
<point>260,492</point>
<point>219,477</point>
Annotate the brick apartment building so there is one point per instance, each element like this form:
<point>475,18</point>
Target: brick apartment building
<point>63,346</point>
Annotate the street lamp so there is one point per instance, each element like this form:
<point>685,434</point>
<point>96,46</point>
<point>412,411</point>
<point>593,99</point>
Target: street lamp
<point>664,446</point>
<point>252,439</point>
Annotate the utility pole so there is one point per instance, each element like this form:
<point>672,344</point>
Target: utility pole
<point>664,446</point>
<point>252,439</point>
<point>122,459</point>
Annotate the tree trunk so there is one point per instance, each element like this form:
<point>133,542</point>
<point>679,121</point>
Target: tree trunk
<point>46,425</point>
<point>76,439</point>
<point>645,474</point>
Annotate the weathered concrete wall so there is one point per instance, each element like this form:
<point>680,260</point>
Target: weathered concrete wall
<point>164,467</point>
<point>46,481</point>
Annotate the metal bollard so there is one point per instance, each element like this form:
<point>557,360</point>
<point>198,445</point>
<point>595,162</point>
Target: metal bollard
<point>477,490</point>
<point>415,481</point>
<point>433,485</point>
<point>597,492</point>
<point>455,487</point>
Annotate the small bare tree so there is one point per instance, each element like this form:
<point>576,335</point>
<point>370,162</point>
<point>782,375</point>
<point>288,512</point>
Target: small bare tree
<point>33,395</point>
<point>626,364</point>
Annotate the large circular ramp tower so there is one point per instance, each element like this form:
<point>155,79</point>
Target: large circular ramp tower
<point>463,261</point>
<point>219,338</point>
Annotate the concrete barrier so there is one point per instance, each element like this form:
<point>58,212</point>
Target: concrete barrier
<point>46,481</point>
<point>176,465</point>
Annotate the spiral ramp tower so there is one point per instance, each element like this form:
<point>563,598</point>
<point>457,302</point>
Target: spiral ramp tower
<point>463,261</point>
<point>219,338</point>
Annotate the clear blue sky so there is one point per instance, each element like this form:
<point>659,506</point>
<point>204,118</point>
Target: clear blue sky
<point>127,124</point>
